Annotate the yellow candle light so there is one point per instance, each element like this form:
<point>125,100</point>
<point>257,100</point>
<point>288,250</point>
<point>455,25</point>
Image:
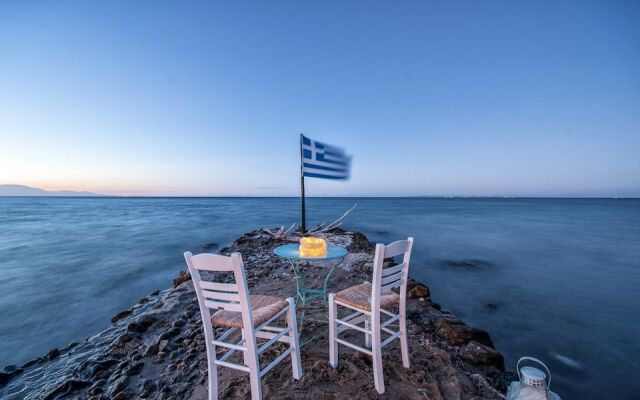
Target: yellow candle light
<point>312,247</point>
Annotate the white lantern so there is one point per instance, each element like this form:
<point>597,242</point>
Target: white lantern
<point>534,383</point>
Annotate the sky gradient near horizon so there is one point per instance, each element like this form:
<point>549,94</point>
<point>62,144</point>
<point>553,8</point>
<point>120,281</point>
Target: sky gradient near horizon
<point>431,98</point>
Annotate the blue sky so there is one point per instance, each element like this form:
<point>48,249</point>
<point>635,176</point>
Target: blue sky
<point>432,98</point>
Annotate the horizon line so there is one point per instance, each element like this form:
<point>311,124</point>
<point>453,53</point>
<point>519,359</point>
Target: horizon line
<point>112,196</point>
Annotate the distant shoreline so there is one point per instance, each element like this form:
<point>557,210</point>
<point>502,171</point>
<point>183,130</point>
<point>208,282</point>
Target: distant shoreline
<point>108,196</point>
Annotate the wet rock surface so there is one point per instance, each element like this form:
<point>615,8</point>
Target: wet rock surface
<point>417,290</point>
<point>456,332</point>
<point>156,349</point>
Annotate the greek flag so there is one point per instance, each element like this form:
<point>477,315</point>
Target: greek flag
<point>321,160</point>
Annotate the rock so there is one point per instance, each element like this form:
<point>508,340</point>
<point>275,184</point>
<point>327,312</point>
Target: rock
<point>142,324</point>
<point>147,321</point>
<point>32,362</point>
<point>134,369</point>
<point>11,368</point>
<point>117,386</point>
<point>8,373</point>
<point>500,379</point>
<point>162,345</point>
<point>207,246</point>
<point>53,353</point>
<point>359,244</point>
<point>126,337</point>
<point>96,391</point>
<point>5,377</point>
<point>123,365</point>
<point>151,350</point>
<point>456,332</point>
<point>179,323</point>
<point>170,333</point>
<point>182,278</point>
<point>492,306</point>
<point>98,383</point>
<point>418,291</point>
<point>143,300</point>
<point>147,388</point>
<point>120,396</point>
<point>120,315</point>
<point>479,354</point>
<point>66,388</point>
<point>99,366</point>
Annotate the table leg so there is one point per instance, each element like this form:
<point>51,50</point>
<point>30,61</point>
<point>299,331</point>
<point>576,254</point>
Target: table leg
<point>299,282</point>
<point>306,294</point>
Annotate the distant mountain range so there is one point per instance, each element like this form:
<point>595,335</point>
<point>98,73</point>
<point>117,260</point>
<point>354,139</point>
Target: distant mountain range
<point>21,190</point>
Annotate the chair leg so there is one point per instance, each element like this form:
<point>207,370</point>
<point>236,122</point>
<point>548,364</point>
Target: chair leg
<point>244,353</point>
<point>367,326</point>
<point>376,351</point>
<point>404,341</point>
<point>333,327</point>
<point>213,374</point>
<point>294,343</point>
<point>253,362</point>
<point>256,386</point>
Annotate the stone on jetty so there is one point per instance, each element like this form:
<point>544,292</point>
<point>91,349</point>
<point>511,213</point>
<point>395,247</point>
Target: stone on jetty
<point>417,290</point>
<point>456,332</point>
<point>480,354</point>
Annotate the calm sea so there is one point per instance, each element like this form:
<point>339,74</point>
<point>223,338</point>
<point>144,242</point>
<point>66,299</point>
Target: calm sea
<point>557,279</point>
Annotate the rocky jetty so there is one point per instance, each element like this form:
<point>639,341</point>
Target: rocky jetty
<point>155,350</point>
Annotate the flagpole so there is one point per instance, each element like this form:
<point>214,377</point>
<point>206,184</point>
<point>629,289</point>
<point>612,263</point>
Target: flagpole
<point>304,211</point>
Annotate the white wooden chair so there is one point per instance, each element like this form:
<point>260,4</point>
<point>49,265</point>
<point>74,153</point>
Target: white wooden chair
<point>238,311</point>
<point>369,302</point>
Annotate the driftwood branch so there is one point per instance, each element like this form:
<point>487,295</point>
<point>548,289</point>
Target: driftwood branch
<point>280,233</point>
<point>291,228</point>
<point>291,234</point>
<point>334,224</point>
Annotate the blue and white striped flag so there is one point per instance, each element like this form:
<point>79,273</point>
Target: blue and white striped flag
<point>320,160</point>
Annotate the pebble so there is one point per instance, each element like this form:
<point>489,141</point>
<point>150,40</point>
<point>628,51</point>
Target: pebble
<point>162,345</point>
<point>53,353</point>
<point>120,315</point>
<point>151,350</point>
<point>179,323</point>
<point>117,386</point>
<point>134,369</point>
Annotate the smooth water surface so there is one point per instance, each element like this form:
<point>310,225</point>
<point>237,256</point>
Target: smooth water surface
<point>556,279</point>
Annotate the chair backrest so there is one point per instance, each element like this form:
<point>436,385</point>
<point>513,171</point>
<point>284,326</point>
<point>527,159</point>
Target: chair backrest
<point>220,295</point>
<point>395,276</point>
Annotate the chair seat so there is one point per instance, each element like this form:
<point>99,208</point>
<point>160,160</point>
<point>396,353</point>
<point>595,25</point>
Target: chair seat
<point>359,296</point>
<point>264,308</point>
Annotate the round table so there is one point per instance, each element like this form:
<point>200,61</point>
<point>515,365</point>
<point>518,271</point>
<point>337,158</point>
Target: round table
<point>291,252</point>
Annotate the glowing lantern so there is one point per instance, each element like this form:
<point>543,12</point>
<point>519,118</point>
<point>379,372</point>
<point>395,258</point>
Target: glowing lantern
<point>533,384</point>
<point>312,247</point>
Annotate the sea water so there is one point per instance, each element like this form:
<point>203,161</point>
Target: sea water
<point>557,279</point>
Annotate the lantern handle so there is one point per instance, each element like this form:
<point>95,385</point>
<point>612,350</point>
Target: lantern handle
<point>537,361</point>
